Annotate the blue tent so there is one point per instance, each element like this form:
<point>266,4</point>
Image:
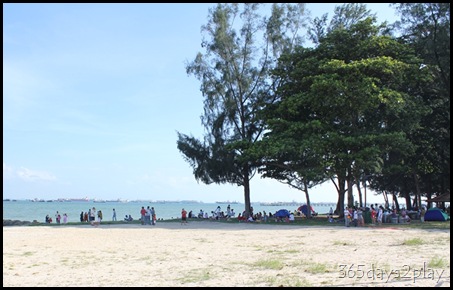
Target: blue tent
<point>436,214</point>
<point>304,210</point>
<point>282,213</point>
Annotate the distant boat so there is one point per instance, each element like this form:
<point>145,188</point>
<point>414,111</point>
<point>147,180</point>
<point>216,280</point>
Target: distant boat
<point>228,202</point>
<point>279,203</point>
<point>79,199</point>
<point>98,200</point>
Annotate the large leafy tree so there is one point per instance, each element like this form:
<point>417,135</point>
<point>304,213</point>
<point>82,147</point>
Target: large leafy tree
<point>285,156</point>
<point>344,17</point>
<point>426,27</point>
<point>297,161</point>
<point>241,47</point>
<point>344,103</point>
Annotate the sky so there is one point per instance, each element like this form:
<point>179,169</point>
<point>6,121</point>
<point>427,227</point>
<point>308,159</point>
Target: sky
<point>93,98</point>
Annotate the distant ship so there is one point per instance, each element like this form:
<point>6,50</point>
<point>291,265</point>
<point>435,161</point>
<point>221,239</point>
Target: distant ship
<point>78,199</point>
<point>280,203</point>
<point>228,202</point>
<point>99,200</point>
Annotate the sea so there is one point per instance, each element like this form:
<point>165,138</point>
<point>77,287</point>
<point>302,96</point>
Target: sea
<point>27,210</point>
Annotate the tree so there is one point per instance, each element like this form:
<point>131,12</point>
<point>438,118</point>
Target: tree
<point>426,27</point>
<point>344,17</point>
<point>287,158</point>
<point>345,103</point>
<point>236,84</point>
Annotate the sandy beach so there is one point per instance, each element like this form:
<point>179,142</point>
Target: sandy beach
<point>224,254</point>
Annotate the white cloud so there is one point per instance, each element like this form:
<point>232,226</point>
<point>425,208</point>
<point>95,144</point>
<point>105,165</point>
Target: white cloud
<point>7,171</point>
<point>33,175</point>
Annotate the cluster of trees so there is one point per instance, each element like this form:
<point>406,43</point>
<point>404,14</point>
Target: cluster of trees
<point>361,107</point>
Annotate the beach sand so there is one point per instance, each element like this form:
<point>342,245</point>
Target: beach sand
<point>210,253</point>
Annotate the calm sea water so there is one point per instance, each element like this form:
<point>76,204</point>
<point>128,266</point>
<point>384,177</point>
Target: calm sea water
<point>25,210</point>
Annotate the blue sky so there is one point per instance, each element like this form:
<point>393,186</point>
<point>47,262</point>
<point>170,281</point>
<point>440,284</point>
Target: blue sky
<point>93,95</point>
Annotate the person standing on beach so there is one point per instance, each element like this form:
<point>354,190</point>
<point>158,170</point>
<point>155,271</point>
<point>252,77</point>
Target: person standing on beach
<point>153,216</point>
<point>422,214</point>
<point>380,215</point>
<point>93,214</point>
<point>355,217</point>
<point>148,216</point>
<point>373,215</point>
<point>99,216</point>
<point>142,214</point>
<point>183,216</point>
<point>346,217</point>
<point>57,217</point>
<point>114,215</point>
<point>217,213</point>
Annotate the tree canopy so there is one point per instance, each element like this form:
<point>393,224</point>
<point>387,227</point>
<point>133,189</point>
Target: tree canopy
<point>236,84</point>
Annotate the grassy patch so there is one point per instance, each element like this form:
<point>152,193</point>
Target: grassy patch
<point>269,264</point>
<point>286,282</point>
<point>437,262</point>
<point>413,242</point>
<point>195,276</point>
<point>291,251</point>
<point>317,268</point>
<point>429,225</point>
<point>342,243</point>
<point>294,282</point>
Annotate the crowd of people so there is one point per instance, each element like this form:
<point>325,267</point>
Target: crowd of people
<point>353,216</point>
<point>148,216</point>
<point>58,218</point>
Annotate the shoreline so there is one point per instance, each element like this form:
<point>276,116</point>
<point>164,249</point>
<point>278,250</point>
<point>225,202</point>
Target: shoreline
<point>320,221</point>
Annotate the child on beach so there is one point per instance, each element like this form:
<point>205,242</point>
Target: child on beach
<point>184,216</point>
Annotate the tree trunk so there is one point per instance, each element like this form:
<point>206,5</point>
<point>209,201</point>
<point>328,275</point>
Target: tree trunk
<point>386,199</point>
<point>350,193</point>
<point>308,200</point>
<point>407,197</point>
<point>341,193</point>
<point>247,202</point>
<point>417,194</point>
<point>364,191</point>
<point>359,193</point>
<point>395,201</point>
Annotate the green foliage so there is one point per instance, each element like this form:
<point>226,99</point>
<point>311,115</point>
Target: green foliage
<point>426,28</point>
<point>344,107</point>
<point>269,264</point>
<point>437,262</point>
<point>413,242</point>
<point>236,84</point>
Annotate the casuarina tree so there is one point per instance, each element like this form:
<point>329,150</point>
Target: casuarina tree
<point>241,47</point>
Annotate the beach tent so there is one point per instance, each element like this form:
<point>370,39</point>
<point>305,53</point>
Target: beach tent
<point>441,198</point>
<point>436,214</point>
<point>282,213</point>
<point>304,210</point>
